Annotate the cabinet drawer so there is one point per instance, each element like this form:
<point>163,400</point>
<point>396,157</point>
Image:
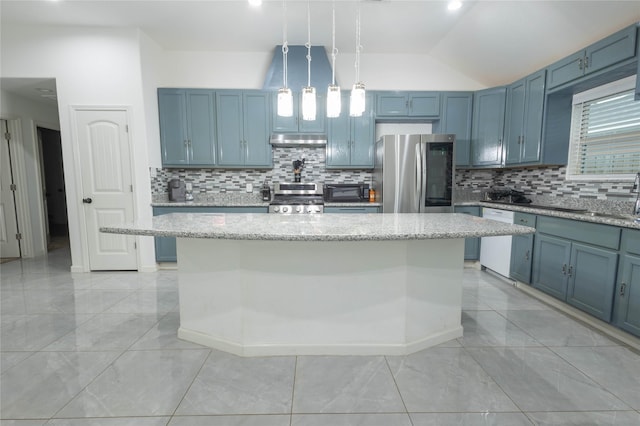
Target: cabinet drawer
<point>524,219</point>
<point>590,233</point>
<point>368,209</point>
<point>631,241</point>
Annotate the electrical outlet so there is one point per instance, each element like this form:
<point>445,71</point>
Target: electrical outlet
<point>249,187</point>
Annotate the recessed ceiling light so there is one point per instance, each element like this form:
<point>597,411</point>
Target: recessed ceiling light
<point>255,3</point>
<point>454,5</point>
<point>43,90</point>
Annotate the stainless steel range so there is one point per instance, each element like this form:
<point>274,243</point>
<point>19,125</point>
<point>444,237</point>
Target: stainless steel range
<point>297,198</point>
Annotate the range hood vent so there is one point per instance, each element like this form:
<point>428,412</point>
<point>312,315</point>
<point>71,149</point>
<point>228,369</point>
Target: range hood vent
<point>298,140</point>
<point>297,69</point>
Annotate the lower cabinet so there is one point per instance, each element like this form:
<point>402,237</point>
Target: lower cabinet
<point>522,249</point>
<point>166,246</point>
<point>577,262</point>
<point>363,209</point>
<point>471,245</point>
<point>627,296</point>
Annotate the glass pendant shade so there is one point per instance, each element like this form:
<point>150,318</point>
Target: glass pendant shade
<point>357,106</point>
<point>334,101</point>
<point>285,102</point>
<point>308,103</point>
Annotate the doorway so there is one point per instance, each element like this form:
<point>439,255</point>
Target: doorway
<point>53,188</point>
<point>9,230</point>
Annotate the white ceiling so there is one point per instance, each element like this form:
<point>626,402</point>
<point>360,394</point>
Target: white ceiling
<point>492,41</point>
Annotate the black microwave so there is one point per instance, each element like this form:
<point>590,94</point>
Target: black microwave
<point>346,192</point>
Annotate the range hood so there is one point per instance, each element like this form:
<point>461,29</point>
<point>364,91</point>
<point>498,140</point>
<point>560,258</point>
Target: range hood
<point>293,140</point>
<point>297,69</point>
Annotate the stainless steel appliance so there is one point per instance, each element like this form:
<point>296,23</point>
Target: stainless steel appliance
<point>177,190</point>
<point>297,198</point>
<point>346,192</point>
<point>414,173</point>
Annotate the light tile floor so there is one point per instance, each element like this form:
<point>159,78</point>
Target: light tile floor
<point>101,349</point>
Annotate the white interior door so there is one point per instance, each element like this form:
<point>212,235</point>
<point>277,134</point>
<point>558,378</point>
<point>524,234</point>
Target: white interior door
<point>107,188</point>
<point>9,243</point>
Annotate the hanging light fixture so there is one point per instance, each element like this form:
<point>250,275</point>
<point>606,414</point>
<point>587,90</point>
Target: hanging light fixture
<point>308,92</point>
<point>334,101</point>
<point>357,106</point>
<point>285,97</point>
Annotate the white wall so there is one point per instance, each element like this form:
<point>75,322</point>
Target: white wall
<point>31,114</point>
<point>92,67</point>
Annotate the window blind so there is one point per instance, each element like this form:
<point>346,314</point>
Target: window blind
<point>605,136</point>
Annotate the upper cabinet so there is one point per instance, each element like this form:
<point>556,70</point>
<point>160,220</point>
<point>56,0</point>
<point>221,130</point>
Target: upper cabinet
<point>187,127</point>
<point>243,128</point>
<point>351,139</point>
<point>609,51</point>
<point>523,129</point>
<point>456,119</point>
<point>295,123</point>
<point>488,127</point>
<point>407,104</point>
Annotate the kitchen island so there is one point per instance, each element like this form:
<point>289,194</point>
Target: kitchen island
<point>345,284</point>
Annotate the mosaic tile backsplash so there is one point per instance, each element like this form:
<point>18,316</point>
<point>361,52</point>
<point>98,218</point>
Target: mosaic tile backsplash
<point>544,185</point>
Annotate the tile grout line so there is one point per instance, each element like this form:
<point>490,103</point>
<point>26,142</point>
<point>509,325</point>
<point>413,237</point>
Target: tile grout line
<point>386,361</point>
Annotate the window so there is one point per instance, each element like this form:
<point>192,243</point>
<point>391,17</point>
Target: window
<point>605,133</point>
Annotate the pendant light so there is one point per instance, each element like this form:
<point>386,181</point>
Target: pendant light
<point>357,102</point>
<point>308,92</point>
<point>334,101</point>
<point>285,97</point>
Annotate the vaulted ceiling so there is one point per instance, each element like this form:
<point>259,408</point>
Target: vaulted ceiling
<point>493,42</point>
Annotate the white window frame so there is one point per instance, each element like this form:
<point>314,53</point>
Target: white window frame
<point>618,86</point>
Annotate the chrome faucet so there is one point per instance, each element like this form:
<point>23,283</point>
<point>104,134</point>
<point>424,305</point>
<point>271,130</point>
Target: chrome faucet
<point>636,188</point>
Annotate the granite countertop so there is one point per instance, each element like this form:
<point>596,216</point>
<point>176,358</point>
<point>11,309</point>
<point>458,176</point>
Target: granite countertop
<point>621,220</point>
<point>328,227</point>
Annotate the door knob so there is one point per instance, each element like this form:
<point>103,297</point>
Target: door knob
<point>87,200</point>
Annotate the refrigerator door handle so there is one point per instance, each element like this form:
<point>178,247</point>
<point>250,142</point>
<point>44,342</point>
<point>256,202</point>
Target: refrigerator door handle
<point>417,192</point>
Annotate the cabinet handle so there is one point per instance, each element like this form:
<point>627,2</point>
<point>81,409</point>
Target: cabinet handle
<point>570,270</point>
<point>623,287</point>
<point>564,269</point>
<point>186,142</point>
<point>586,62</point>
<point>580,63</point>
<point>526,255</point>
<point>524,221</point>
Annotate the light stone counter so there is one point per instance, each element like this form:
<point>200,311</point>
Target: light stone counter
<point>333,284</point>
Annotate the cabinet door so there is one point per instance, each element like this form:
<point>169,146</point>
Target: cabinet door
<point>256,129</point>
<point>471,245</point>
<point>613,49</point>
<point>565,70</point>
<point>200,119</point>
<point>392,104</point>
<point>456,119</point>
<point>521,257</point>
<point>172,108</point>
<point>424,104</point>
<point>318,125</point>
<point>514,123</point>
<point>533,113</point>
<point>592,279</point>
<point>488,127</point>
<point>550,265</point>
<point>627,310</point>
<point>339,137</point>
<point>229,128</point>
<point>363,137</point>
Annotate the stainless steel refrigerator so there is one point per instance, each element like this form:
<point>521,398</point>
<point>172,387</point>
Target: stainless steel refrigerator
<point>414,173</point>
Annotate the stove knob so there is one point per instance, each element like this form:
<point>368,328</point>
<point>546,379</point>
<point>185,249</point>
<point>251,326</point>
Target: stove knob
<point>299,209</point>
<point>276,209</point>
<point>285,209</point>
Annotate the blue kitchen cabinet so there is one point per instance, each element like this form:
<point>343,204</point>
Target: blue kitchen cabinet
<point>407,104</point>
<point>522,249</point>
<point>488,127</point>
<point>243,128</point>
<point>627,297</point>
<point>187,127</point>
<point>471,245</point>
<point>637,97</point>
<point>524,112</point>
<point>295,123</point>
<point>605,53</point>
<point>576,262</point>
<point>457,108</point>
<point>166,246</point>
<point>351,140</point>
<point>352,209</point>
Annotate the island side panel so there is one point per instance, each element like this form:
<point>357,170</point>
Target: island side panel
<point>302,297</point>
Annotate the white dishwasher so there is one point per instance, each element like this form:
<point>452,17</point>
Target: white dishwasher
<point>495,252</point>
